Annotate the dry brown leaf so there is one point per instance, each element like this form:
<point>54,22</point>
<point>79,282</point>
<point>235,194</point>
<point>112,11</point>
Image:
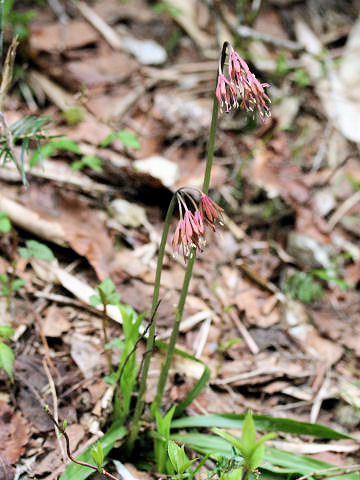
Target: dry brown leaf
<point>99,71</point>
<point>55,323</point>
<point>86,352</point>
<point>58,37</point>
<point>274,171</point>
<point>14,433</point>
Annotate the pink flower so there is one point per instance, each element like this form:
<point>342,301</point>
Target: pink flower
<point>242,87</point>
<point>225,93</point>
<point>189,233</point>
<point>210,211</point>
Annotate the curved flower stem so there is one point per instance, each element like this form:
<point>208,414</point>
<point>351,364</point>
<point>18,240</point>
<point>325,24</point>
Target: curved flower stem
<point>187,277</point>
<point>135,426</point>
<point>213,127</point>
<point>174,335</point>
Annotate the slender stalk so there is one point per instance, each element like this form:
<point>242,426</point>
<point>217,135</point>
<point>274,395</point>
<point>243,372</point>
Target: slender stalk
<point>187,277</point>
<point>1,32</point>
<point>135,426</point>
<point>14,245</point>
<point>106,340</point>
<point>213,127</point>
<point>174,335</point>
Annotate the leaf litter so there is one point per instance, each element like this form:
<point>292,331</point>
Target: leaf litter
<point>291,192</point>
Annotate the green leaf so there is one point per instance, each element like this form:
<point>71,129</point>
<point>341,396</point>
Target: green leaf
<point>78,165</point>
<point>73,115</point>
<point>173,452</point>
<point>106,286</point>
<point>127,138</point>
<point>44,151</point>
<point>277,461</point>
<point>6,332</point>
<point>78,472</point>
<point>66,144</point>
<point>95,300</point>
<point>288,462</point>
<point>24,252</point>
<point>160,442</point>
<point>231,439</point>
<point>52,147</point>
<point>7,360</point>
<point>110,379</point>
<point>97,455</point>
<point>64,425</point>
<point>235,474</point>
<point>323,274</point>
<point>93,162</point>
<point>248,435</point>
<point>5,225</point>
<point>165,7</point>
<point>117,343</point>
<point>301,78</point>
<point>4,278</point>
<point>113,298</point>
<point>262,422</point>
<point>37,250</point>
<point>17,284</point>
<point>256,457</point>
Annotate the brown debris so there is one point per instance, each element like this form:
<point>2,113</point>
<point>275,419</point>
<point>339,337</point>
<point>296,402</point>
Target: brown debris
<point>14,436</point>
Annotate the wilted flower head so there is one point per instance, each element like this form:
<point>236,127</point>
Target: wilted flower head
<point>225,93</point>
<point>242,88</point>
<point>211,212</point>
<point>190,231</point>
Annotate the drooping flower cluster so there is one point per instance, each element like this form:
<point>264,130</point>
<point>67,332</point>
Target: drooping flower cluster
<point>241,88</point>
<point>190,231</point>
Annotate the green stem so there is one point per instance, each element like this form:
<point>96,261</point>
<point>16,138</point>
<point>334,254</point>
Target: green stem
<point>213,127</point>
<point>174,335</point>
<point>106,340</point>
<point>135,426</point>
<point>187,277</point>
<point>1,32</point>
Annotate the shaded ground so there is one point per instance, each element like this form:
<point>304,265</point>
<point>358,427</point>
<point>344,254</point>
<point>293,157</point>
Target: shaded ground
<point>290,189</point>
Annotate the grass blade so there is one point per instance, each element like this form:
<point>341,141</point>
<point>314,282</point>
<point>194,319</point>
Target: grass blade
<point>262,422</point>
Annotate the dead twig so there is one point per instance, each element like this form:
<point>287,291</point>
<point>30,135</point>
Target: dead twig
<point>337,471</point>
<point>55,403</point>
<point>250,342</point>
<point>100,25</point>
<point>68,451</point>
<point>9,141</point>
<point>8,71</point>
<point>247,32</point>
<point>41,333</point>
<point>343,209</point>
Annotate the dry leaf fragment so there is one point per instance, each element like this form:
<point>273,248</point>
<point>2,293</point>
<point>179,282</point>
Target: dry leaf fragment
<point>14,435</point>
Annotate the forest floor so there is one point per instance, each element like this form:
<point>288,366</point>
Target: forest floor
<point>274,303</point>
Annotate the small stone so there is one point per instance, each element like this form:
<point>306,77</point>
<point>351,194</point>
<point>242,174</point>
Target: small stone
<point>325,201</point>
<point>347,416</point>
<point>147,52</point>
<point>159,167</point>
<point>308,251</point>
<point>127,214</point>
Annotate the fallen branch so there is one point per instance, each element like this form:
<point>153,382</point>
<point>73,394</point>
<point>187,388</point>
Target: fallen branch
<point>68,451</point>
